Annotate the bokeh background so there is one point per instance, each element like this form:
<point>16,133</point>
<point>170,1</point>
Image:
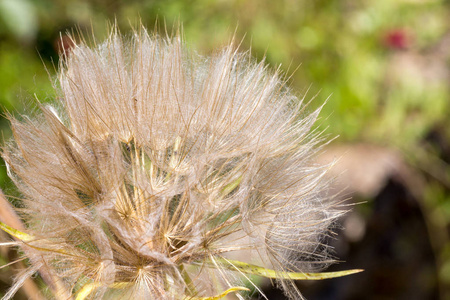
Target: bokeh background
<point>383,65</point>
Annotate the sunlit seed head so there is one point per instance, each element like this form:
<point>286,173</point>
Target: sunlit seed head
<point>155,165</point>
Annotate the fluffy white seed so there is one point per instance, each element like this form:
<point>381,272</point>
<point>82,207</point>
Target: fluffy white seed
<point>156,164</point>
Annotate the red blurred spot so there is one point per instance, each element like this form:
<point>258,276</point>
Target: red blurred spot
<point>64,45</point>
<point>397,39</point>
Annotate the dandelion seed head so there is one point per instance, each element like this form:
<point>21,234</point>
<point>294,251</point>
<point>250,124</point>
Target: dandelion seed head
<point>154,160</point>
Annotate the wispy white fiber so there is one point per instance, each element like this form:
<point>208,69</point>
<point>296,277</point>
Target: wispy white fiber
<point>154,161</point>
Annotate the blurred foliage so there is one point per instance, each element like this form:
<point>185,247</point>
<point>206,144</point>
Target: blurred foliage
<point>384,64</point>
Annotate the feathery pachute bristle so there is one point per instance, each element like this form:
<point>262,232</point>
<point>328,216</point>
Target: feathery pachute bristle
<point>156,167</point>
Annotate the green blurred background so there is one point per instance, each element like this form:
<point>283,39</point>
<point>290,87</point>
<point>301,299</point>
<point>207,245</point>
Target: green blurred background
<point>384,65</point>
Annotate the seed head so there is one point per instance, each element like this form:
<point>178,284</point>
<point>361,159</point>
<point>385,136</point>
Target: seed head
<point>156,169</point>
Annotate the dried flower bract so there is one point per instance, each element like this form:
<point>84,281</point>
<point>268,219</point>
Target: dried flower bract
<point>162,174</point>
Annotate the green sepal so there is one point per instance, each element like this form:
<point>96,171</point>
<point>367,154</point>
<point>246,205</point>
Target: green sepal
<point>87,289</point>
<point>220,296</point>
<point>243,267</point>
<point>24,237</point>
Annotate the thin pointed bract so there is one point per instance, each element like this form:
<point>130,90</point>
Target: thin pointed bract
<point>268,273</point>
<point>158,173</point>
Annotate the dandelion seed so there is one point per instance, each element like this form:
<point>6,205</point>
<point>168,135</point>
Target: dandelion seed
<point>158,169</point>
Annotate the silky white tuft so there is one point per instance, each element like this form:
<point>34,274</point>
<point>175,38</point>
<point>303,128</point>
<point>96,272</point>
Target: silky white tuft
<point>156,166</point>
